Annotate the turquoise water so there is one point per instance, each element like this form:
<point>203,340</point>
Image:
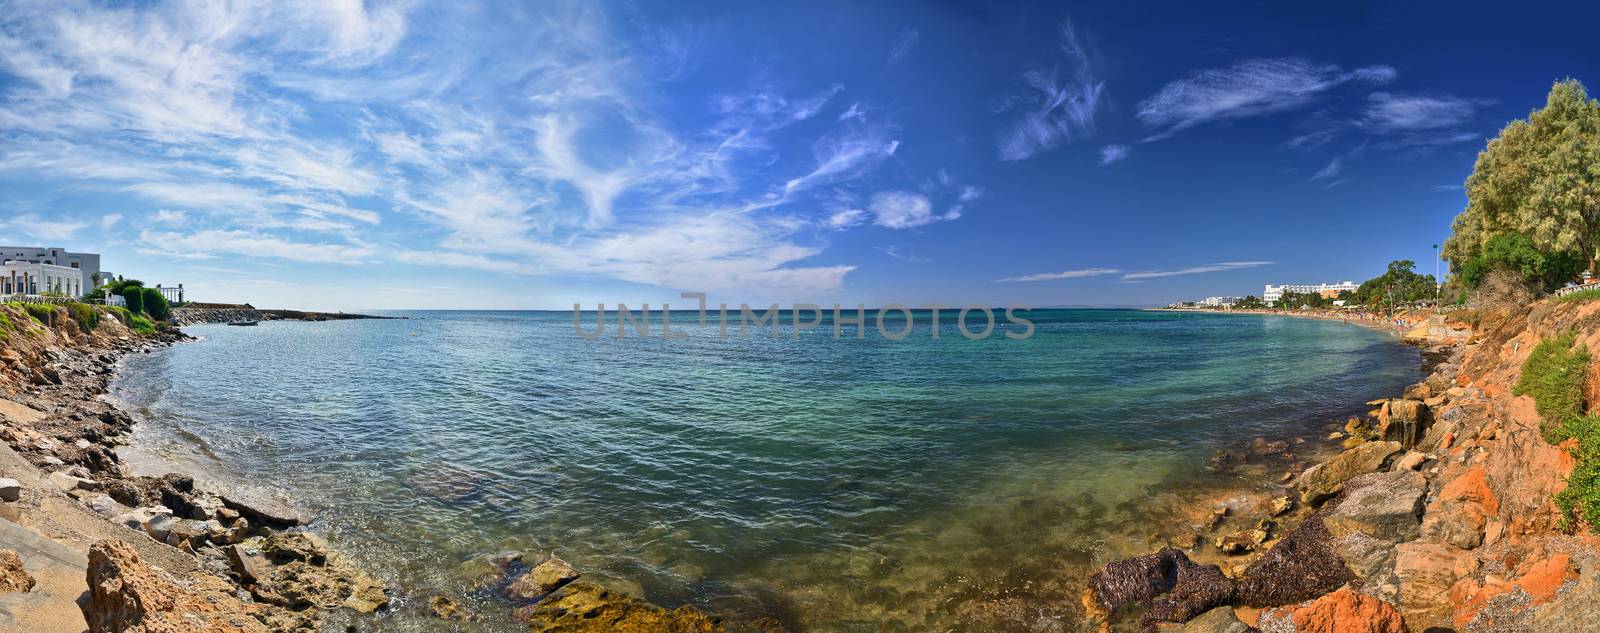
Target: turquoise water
<point>838,485</point>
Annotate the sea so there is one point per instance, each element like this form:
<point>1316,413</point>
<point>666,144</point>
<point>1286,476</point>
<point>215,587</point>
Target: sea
<point>829,483</point>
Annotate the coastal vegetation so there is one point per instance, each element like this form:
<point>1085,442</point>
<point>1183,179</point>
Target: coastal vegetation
<point>1554,375</point>
<point>1533,197</point>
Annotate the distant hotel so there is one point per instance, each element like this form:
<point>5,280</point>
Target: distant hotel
<point>1273,293</point>
<point>30,270</point>
<point>1218,302</point>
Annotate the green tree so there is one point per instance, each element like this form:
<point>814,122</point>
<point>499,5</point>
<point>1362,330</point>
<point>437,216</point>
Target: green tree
<point>156,305</point>
<point>1541,178</point>
<point>134,295</point>
<point>1398,285</point>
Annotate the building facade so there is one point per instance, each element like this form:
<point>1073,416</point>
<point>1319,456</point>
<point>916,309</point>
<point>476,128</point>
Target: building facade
<point>1218,302</point>
<point>26,278</point>
<point>1273,293</point>
<point>87,264</point>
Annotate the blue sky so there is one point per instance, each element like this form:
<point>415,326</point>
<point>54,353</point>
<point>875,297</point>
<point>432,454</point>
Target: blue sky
<point>349,155</point>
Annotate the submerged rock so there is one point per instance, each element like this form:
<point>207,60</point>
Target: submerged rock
<point>588,608</point>
<point>544,578</point>
<point>1218,620</point>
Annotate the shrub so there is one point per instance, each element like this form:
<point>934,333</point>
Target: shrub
<point>1554,375</point>
<point>1581,499</point>
<point>85,315</point>
<point>141,325</point>
<point>134,295</point>
<point>1502,289</point>
<point>156,305</point>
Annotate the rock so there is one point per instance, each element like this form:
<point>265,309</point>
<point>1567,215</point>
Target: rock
<point>139,518</point>
<point>1326,479</point>
<point>286,547</point>
<point>588,608</point>
<point>1262,446</point>
<point>1367,557</point>
<point>1345,611</point>
<point>13,578</point>
<point>1235,544</point>
<point>1426,572</point>
<point>538,582</point>
<point>1280,504</point>
<point>1299,567</point>
<point>1412,460</point>
<point>1218,620</point>
<point>10,490</point>
<point>262,509</point>
<point>1385,506</point>
<point>235,533</point>
<point>1176,588</point>
<point>1574,608</point>
<point>104,505</point>
<point>159,527</point>
<point>366,594</point>
<point>69,483</point>
<point>128,596</point>
<point>248,564</point>
<point>445,609</point>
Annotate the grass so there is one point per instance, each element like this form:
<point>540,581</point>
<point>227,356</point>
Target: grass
<point>141,325</point>
<point>40,312</point>
<point>1554,375</point>
<point>86,316</point>
<point>1581,499</point>
<point>1581,296</point>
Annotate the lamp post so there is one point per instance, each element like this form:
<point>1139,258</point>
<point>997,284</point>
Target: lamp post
<point>1437,283</point>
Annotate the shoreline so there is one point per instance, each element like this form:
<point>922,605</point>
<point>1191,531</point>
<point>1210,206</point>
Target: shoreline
<point>1239,522</point>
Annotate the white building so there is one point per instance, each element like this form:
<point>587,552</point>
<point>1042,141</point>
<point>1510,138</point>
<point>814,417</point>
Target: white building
<point>28,278</point>
<point>1217,302</point>
<point>88,264</point>
<point>1273,293</point>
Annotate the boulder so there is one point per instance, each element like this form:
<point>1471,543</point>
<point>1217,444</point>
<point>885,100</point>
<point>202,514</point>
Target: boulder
<point>69,483</point>
<point>1325,480</point>
<point>248,564</point>
<point>1412,460</point>
<point>1574,607</point>
<point>262,509</point>
<point>1385,506</point>
<point>10,490</point>
<point>128,596</point>
<point>1426,572</point>
<point>286,547</point>
<point>1345,611</point>
<point>12,576</point>
<point>1218,620</point>
<point>544,578</point>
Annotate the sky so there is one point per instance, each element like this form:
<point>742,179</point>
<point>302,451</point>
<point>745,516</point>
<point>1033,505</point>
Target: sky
<point>339,154</point>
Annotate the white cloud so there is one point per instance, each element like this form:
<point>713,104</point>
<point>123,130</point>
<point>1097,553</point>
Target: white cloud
<point>895,252</point>
<point>44,228</point>
<point>1334,167</point>
<point>1195,270</point>
<point>902,47</point>
<point>904,210</point>
<point>846,218</point>
<point>110,221</point>
<point>1056,111</point>
<point>1386,112</point>
<point>255,245</point>
<point>1249,88</point>
<point>1065,274</point>
<point>1113,153</point>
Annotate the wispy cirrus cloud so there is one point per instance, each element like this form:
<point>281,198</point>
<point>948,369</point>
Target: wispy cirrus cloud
<point>1194,270</point>
<point>902,46</point>
<point>905,210</point>
<point>1249,88</point>
<point>1113,153</point>
<point>1065,274</point>
<point>895,252</point>
<point>1056,109</point>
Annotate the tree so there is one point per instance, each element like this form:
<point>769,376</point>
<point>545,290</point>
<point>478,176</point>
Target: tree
<point>134,296</point>
<point>1541,178</point>
<point>155,305</point>
<point>1400,284</point>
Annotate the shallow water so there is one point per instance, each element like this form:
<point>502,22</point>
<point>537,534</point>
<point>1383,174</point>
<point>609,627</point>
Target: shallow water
<point>838,485</point>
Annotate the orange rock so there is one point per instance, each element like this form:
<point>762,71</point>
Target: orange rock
<point>1472,485</point>
<point>1345,611</point>
<point>1541,580</point>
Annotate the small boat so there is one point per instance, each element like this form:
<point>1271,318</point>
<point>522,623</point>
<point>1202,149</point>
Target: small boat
<point>254,322</point>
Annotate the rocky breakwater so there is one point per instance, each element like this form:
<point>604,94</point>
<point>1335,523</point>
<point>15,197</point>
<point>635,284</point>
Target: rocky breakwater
<point>1436,515</point>
<point>163,553</point>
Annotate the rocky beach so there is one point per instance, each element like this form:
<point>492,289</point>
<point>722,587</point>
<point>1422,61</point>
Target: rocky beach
<point>1437,513</point>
